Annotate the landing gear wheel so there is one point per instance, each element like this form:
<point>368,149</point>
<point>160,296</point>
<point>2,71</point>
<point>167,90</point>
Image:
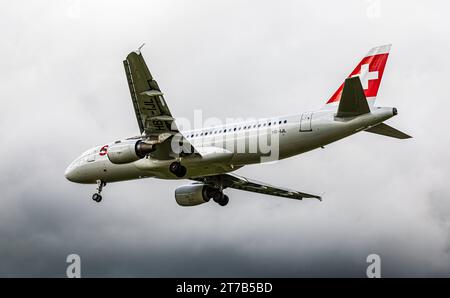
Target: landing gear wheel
<point>224,201</point>
<point>97,198</point>
<point>182,171</point>
<point>177,169</point>
<point>217,197</point>
<point>220,198</point>
<point>174,167</point>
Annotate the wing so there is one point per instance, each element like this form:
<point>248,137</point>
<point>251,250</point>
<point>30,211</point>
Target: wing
<point>152,113</point>
<point>242,183</point>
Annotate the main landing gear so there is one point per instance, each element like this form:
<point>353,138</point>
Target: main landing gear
<point>214,191</point>
<point>177,169</point>
<point>220,198</point>
<point>97,196</point>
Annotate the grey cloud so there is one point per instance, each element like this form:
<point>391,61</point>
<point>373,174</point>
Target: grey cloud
<point>63,90</point>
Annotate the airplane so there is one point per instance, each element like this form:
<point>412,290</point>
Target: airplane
<point>209,156</point>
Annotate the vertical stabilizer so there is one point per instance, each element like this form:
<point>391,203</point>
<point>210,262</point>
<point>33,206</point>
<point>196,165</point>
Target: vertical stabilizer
<point>370,71</point>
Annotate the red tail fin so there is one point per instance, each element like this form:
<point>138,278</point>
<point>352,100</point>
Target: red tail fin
<point>370,71</point>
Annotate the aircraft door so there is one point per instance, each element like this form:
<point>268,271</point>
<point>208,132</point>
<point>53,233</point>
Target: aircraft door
<point>305,122</point>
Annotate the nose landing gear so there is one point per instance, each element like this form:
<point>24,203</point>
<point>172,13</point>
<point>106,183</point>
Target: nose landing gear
<point>97,197</point>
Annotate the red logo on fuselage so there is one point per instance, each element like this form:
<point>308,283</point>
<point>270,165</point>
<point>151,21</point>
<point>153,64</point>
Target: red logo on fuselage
<point>103,150</point>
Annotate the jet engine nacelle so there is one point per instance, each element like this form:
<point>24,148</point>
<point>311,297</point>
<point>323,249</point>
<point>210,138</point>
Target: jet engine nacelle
<point>122,153</point>
<point>192,194</point>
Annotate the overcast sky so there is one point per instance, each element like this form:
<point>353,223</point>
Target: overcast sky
<point>63,90</point>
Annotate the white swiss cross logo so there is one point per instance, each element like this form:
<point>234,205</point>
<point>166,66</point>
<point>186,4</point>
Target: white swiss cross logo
<point>365,75</point>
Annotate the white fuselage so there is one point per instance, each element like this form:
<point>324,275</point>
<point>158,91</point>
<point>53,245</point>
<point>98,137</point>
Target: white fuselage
<point>222,152</point>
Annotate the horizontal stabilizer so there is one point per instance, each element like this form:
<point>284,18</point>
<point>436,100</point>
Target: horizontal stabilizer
<point>353,101</point>
<point>386,130</point>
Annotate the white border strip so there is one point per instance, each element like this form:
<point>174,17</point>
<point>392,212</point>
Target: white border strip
<point>379,50</point>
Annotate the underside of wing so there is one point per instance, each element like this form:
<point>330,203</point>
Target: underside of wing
<point>242,183</point>
<point>154,118</point>
<point>152,113</point>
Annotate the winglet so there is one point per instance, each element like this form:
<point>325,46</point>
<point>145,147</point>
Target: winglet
<point>138,51</point>
<point>319,198</point>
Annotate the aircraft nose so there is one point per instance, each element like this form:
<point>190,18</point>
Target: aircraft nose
<point>71,173</point>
